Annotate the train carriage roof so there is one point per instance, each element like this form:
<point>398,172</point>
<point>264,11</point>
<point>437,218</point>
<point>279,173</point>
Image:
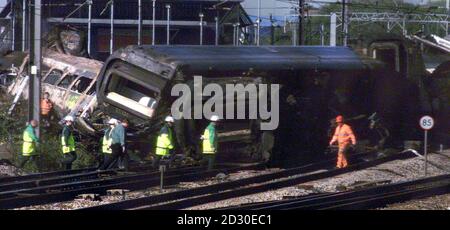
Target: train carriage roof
<point>74,65</point>
<point>227,58</point>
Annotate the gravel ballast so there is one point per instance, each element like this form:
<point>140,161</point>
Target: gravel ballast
<point>7,170</point>
<point>391,172</point>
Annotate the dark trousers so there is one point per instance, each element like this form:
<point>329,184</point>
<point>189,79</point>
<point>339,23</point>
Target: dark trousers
<point>124,160</point>
<point>111,160</point>
<point>107,159</point>
<point>23,160</point>
<point>68,160</point>
<point>100,158</point>
<point>45,120</point>
<point>210,159</point>
<point>157,160</point>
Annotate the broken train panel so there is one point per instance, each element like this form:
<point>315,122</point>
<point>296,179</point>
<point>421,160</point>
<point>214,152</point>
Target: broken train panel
<point>317,83</point>
<point>71,83</point>
<point>405,57</point>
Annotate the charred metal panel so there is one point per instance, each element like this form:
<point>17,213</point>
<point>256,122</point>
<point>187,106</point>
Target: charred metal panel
<point>208,58</point>
<point>73,91</point>
<point>164,60</point>
<point>439,88</point>
<point>73,65</point>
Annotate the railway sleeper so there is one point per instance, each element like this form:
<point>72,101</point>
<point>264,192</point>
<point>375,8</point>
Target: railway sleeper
<point>216,192</point>
<point>89,197</point>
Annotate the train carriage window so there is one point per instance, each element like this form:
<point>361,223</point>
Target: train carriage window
<point>67,81</point>
<point>92,90</point>
<point>132,95</point>
<point>45,70</point>
<point>81,85</point>
<point>53,77</point>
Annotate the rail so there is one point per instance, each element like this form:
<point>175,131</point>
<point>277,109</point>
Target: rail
<point>238,188</point>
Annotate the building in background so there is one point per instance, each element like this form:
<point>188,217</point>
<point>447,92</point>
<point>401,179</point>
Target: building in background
<point>184,21</point>
<point>268,7</point>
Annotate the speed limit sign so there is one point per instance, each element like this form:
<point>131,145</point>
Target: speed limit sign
<point>427,123</point>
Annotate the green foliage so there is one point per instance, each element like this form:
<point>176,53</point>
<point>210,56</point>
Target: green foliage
<point>359,30</point>
<point>372,29</point>
<point>85,157</point>
<point>10,133</point>
<point>388,6</point>
<point>11,130</point>
<point>49,154</point>
<point>281,38</point>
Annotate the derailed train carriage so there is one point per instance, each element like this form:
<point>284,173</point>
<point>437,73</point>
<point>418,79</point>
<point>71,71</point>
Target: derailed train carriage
<point>405,57</point>
<point>317,83</point>
<point>71,83</point>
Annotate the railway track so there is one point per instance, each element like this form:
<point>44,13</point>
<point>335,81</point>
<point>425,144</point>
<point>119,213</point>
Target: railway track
<point>51,190</point>
<point>370,198</point>
<point>25,183</point>
<point>289,177</point>
<point>46,175</point>
<point>37,176</point>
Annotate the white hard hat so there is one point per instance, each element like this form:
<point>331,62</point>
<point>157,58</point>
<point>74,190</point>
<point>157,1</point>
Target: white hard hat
<point>113,121</point>
<point>169,119</point>
<point>215,118</point>
<point>69,118</point>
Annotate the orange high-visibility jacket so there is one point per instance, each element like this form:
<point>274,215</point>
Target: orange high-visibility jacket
<point>46,107</point>
<point>344,135</point>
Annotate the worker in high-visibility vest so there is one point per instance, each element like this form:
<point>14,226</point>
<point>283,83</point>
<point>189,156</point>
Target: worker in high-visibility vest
<point>30,142</point>
<point>68,143</point>
<point>107,143</point>
<point>345,137</point>
<point>165,142</point>
<point>210,142</point>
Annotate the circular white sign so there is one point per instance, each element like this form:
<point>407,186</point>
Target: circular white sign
<point>427,123</point>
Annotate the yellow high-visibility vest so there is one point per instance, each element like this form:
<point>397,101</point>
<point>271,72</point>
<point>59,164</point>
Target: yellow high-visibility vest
<point>164,143</point>
<point>29,146</point>
<point>209,146</point>
<point>68,147</point>
<point>107,143</point>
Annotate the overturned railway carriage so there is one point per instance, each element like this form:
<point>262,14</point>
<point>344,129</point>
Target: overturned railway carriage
<point>316,84</point>
<point>405,58</point>
<point>71,83</point>
<point>439,88</point>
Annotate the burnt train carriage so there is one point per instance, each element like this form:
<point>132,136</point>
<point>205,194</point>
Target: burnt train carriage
<point>439,88</point>
<point>317,83</point>
<point>71,83</point>
<point>405,57</point>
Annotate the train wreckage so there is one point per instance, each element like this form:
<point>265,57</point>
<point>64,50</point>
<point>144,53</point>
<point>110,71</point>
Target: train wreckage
<point>381,89</point>
<point>71,82</point>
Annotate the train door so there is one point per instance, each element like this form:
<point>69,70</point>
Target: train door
<point>393,54</point>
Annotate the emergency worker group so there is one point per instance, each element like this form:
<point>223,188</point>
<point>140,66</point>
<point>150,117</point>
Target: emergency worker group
<point>114,152</point>
<point>114,143</point>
